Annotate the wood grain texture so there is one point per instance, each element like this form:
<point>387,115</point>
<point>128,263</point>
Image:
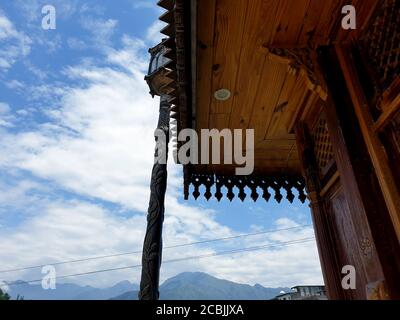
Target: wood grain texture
<point>267,94</point>
<point>364,229</point>
<point>374,145</point>
<point>205,61</point>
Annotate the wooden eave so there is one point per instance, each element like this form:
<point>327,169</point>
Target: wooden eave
<point>264,53</point>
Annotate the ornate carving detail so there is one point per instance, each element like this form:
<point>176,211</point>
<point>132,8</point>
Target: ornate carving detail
<point>299,58</point>
<point>152,247</point>
<point>310,167</point>
<point>366,247</point>
<point>238,186</point>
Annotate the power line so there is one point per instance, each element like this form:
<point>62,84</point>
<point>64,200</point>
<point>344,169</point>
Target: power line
<point>248,249</point>
<point>137,252</point>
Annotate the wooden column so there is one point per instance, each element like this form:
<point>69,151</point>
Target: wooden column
<point>372,245</point>
<point>374,145</point>
<point>322,225</point>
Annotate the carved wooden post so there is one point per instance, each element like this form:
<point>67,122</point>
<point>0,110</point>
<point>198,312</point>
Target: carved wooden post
<point>322,225</point>
<point>152,247</point>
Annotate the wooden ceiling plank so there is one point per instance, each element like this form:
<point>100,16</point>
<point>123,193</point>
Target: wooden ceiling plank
<point>272,82</point>
<point>229,30</point>
<point>258,30</point>
<point>273,154</point>
<point>206,18</point>
<point>298,101</point>
<point>329,22</point>
<point>312,18</point>
<point>273,163</point>
<point>282,110</point>
<point>279,125</point>
<point>291,24</point>
<point>205,40</point>
<point>285,144</point>
<point>218,121</point>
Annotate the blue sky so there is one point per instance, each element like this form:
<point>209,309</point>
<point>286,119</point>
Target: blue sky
<point>76,146</point>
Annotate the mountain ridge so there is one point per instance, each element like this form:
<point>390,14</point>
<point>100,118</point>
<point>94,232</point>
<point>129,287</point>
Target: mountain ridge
<point>184,286</point>
<point>202,286</point>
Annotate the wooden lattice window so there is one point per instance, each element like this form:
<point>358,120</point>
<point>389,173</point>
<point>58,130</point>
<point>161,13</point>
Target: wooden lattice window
<point>322,145</point>
<point>381,43</point>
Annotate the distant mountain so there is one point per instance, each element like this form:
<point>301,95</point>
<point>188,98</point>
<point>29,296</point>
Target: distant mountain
<point>184,286</point>
<point>67,291</point>
<point>202,286</point>
<point>105,294</point>
<point>129,295</point>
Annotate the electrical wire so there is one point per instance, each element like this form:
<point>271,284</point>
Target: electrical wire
<point>137,252</point>
<point>234,251</point>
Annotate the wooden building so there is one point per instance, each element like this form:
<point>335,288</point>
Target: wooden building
<point>324,102</point>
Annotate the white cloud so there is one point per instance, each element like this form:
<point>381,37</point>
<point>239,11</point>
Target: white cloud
<point>66,230</point>
<point>153,35</point>
<point>32,9</point>
<point>76,44</point>
<point>5,117</point>
<point>4,123</point>
<point>92,9</point>
<point>4,108</point>
<point>131,57</point>
<point>50,42</point>
<point>7,29</point>
<point>147,4</point>
<point>37,72</point>
<point>143,4</point>
<point>102,30</point>
<point>99,147</point>
<point>13,44</point>
<point>14,84</point>
<point>76,229</point>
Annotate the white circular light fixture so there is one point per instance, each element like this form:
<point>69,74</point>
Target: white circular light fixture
<point>222,94</point>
